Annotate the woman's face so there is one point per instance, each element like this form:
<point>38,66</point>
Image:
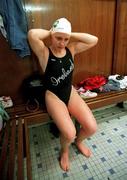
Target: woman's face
<point>60,40</point>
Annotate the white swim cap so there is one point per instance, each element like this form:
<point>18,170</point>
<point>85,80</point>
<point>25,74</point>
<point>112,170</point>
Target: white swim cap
<point>61,25</point>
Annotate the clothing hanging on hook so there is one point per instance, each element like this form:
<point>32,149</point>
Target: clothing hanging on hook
<point>15,23</point>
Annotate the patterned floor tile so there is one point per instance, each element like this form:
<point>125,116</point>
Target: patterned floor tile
<point>109,147</point>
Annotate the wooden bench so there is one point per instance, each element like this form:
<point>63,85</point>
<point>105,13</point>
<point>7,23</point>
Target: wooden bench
<point>14,138</point>
<point>108,98</point>
<point>14,141</point>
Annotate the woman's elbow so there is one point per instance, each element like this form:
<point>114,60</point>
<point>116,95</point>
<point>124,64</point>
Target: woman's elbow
<point>95,41</point>
<point>31,33</point>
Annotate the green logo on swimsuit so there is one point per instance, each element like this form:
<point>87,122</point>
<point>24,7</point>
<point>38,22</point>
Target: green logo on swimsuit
<point>55,24</point>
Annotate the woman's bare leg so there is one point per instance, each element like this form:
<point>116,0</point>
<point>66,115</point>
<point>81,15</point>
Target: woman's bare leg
<point>64,154</point>
<point>79,109</point>
<point>59,112</point>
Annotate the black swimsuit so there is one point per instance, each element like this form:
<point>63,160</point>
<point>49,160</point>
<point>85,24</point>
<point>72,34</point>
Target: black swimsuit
<point>58,75</point>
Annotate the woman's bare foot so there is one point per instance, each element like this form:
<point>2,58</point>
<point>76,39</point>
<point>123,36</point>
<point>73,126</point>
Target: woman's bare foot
<point>83,149</point>
<point>64,161</point>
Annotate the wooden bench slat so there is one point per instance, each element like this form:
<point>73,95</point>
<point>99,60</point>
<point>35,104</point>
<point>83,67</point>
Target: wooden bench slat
<point>20,174</point>
<point>11,163</point>
<point>107,101</point>
<point>37,119</point>
<point>105,95</point>
<point>3,155</point>
<point>1,135</point>
<point>29,169</point>
<point>22,112</point>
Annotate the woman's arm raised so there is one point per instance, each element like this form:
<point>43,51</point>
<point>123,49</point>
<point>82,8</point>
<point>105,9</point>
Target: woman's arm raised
<point>35,38</point>
<point>83,42</point>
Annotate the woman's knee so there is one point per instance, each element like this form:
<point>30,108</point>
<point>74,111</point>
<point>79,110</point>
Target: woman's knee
<point>70,135</point>
<point>91,128</point>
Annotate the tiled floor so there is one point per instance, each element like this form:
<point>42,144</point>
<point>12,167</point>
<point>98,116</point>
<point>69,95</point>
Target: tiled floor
<point>109,147</point>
